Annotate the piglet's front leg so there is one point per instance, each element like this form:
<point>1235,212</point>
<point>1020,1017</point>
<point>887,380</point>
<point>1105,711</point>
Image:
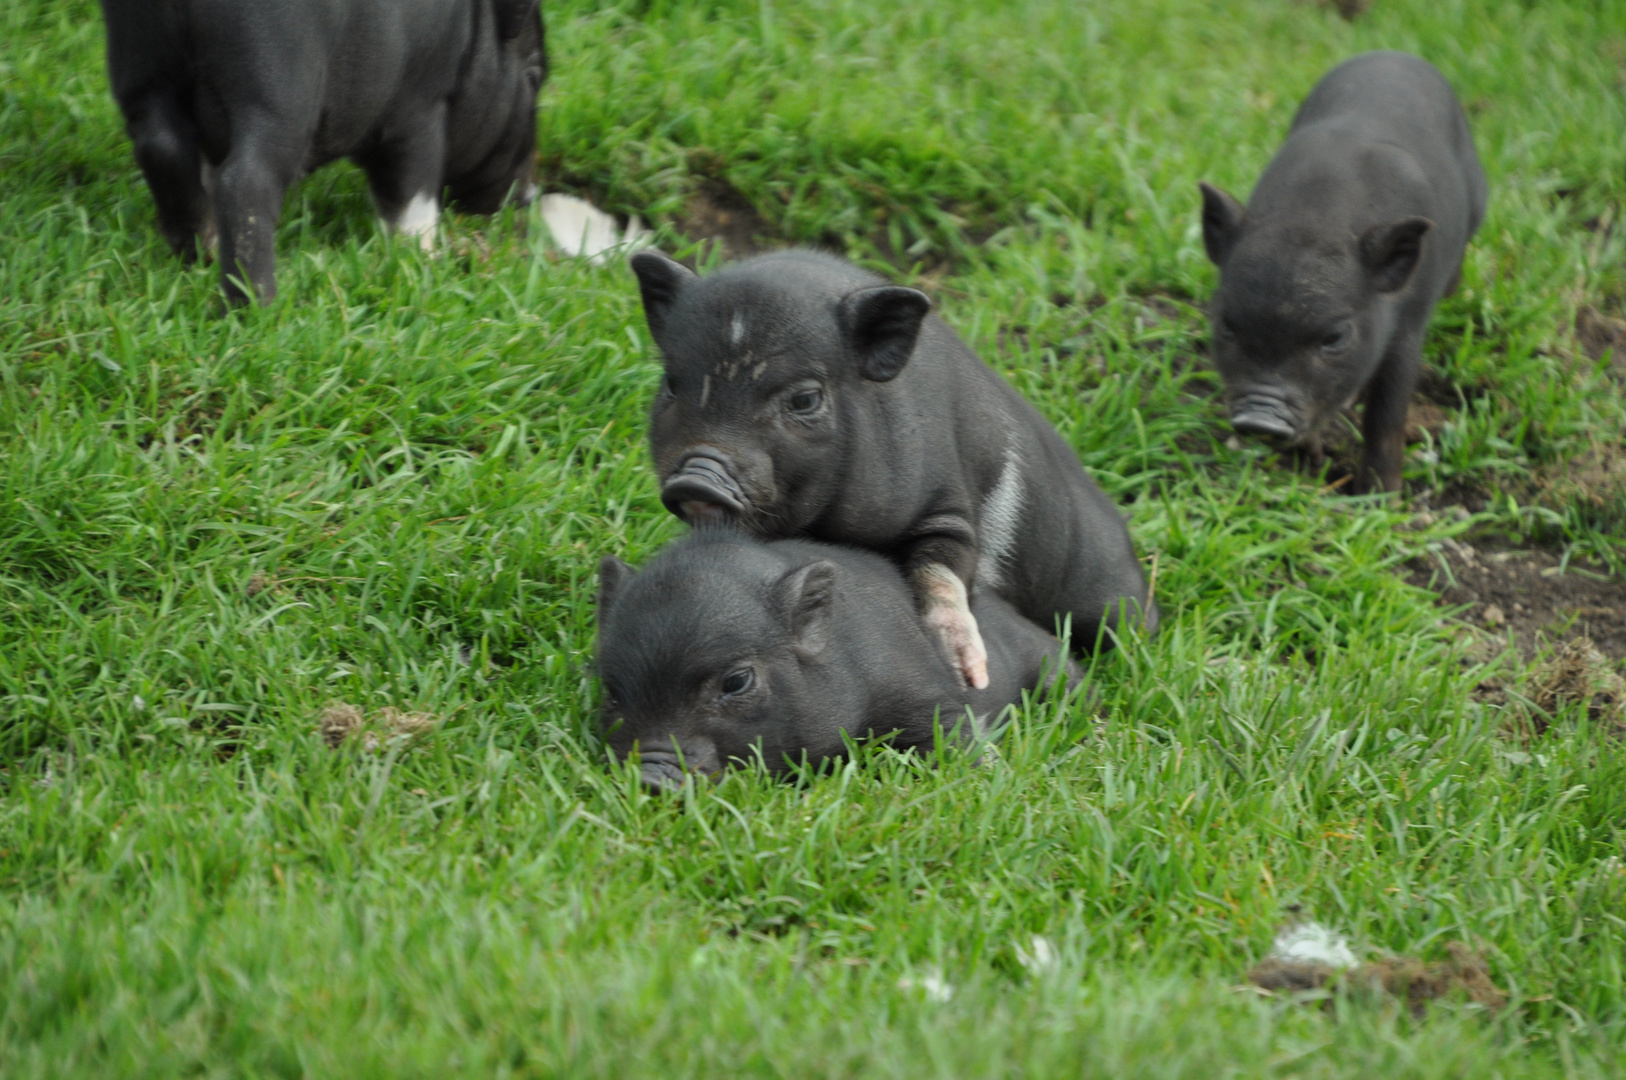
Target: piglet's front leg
<point>941,560</point>
<point>948,615</point>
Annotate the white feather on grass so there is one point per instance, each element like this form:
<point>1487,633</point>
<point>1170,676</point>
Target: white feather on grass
<point>581,229</point>
<point>1312,943</point>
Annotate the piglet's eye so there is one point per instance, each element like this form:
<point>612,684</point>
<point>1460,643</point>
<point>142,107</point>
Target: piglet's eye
<point>738,682</point>
<point>1336,338</point>
<point>806,401</point>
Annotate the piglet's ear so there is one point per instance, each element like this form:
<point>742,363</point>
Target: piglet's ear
<point>1222,222</point>
<point>660,280</point>
<point>805,598</point>
<point>613,575</point>
<point>880,326</point>
<point>1390,252</point>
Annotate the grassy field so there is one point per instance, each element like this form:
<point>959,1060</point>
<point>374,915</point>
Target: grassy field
<point>390,490</point>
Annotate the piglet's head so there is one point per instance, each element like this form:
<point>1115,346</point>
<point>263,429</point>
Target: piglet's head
<point>765,365</point>
<point>491,121</point>
<point>1303,315</point>
<point>715,654</point>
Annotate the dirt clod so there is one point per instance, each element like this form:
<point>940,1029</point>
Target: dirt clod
<point>336,723</point>
<point>1416,983</point>
<point>406,723</point>
<point>340,723</point>
<point>1600,334</point>
<point>1577,673</point>
<point>1349,10</point>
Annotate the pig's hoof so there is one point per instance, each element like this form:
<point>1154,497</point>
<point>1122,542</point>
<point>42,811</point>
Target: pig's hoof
<point>957,629</point>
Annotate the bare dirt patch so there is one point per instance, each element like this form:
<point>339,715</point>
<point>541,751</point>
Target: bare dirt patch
<point>1463,974</point>
<point>1529,592</point>
<point>1601,334</point>
<point>718,212</point>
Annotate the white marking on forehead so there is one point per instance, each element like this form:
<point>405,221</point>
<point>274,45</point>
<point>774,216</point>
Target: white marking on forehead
<point>1001,514</point>
<point>736,329</point>
<point>421,218</point>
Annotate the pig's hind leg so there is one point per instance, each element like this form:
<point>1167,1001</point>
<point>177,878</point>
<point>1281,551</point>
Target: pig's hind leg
<point>405,172</point>
<point>248,192</point>
<point>166,147</point>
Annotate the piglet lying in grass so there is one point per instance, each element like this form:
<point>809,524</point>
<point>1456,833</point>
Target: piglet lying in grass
<point>806,397</point>
<point>725,648</point>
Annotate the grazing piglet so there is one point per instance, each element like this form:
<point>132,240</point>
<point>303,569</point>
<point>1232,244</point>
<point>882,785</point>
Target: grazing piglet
<point>1328,277</point>
<point>725,646</point>
<point>229,102</point>
<point>805,397</point>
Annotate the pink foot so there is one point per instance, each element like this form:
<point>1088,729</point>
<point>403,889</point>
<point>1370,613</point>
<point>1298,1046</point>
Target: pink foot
<point>948,615</point>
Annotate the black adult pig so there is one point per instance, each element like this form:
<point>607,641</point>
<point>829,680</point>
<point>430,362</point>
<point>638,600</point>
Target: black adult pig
<point>228,102</point>
<point>805,397</point>
<point>725,646</point>
<point>1353,233</point>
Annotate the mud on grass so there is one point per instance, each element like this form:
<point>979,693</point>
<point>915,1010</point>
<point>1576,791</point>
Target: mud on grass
<point>1601,332</point>
<point>1532,595</point>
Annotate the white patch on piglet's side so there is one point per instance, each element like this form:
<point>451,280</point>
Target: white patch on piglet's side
<point>420,218</point>
<point>948,615</point>
<point>1001,514</point>
<point>736,330</point>
<point>581,229</point>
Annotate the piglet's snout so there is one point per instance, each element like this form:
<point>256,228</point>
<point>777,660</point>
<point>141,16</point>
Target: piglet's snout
<point>1266,417</point>
<point>662,770</point>
<point>661,775</point>
<point>703,487</point>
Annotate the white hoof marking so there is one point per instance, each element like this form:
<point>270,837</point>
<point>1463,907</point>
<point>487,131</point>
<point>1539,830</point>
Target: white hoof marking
<point>420,218</point>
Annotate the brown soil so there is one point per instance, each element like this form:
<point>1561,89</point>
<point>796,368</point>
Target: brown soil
<point>1349,9</point>
<point>719,213</point>
<point>1463,974</point>
<point>1600,333</point>
<point>1524,590</point>
<point>1577,675</point>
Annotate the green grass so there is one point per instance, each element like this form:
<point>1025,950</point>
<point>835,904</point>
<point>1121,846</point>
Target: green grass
<point>212,527</point>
